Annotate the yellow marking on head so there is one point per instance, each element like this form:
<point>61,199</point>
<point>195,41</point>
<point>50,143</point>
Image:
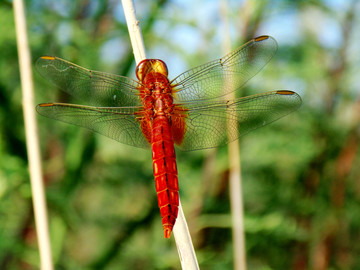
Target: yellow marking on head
<point>261,38</point>
<point>48,57</point>
<point>284,92</point>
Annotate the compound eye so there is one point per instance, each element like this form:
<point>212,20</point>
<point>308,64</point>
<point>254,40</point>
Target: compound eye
<point>160,66</point>
<point>140,70</point>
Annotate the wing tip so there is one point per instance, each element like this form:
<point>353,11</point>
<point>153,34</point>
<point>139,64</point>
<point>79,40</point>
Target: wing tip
<point>46,57</point>
<point>285,92</point>
<point>261,38</point>
<point>294,96</point>
<point>45,105</point>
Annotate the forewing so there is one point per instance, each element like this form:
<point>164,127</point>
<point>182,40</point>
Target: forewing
<point>206,123</point>
<point>118,123</point>
<point>92,87</point>
<point>209,80</point>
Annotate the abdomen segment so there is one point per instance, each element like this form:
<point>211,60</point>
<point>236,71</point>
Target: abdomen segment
<point>165,172</point>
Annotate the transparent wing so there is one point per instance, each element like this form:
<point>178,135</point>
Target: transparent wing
<point>206,123</point>
<point>209,80</point>
<point>120,124</point>
<point>92,87</point>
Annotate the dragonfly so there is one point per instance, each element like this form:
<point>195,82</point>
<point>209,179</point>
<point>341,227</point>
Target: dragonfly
<point>190,111</point>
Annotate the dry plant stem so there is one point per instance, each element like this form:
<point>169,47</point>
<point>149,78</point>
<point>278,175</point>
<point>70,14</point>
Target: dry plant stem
<point>235,186</point>
<point>183,242</point>
<point>181,232</point>
<point>32,141</point>
<point>136,39</point>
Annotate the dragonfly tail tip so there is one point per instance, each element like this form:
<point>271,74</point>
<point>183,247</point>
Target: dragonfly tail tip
<point>167,232</point>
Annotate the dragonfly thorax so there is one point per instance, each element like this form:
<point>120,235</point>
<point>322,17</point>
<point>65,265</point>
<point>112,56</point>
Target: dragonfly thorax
<point>163,105</point>
<point>156,94</point>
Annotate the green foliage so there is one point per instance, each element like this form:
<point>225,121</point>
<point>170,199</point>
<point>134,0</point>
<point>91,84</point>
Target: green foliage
<point>300,174</point>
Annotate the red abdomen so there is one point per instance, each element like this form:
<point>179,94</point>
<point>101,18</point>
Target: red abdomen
<point>165,172</point>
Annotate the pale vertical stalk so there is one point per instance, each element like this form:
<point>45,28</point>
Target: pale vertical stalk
<point>181,232</point>
<point>32,142</point>
<point>133,25</point>
<point>235,185</point>
<point>184,244</point>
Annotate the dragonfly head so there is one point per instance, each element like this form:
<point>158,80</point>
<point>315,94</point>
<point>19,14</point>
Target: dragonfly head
<point>150,65</point>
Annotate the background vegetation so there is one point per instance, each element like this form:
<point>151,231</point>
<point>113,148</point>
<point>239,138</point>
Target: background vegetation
<point>300,175</point>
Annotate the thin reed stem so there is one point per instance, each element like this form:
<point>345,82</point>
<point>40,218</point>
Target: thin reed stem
<point>235,185</point>
<point>32,141</point>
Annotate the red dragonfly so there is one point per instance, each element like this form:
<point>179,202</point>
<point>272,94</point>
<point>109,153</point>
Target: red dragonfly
<point>158,112</point>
